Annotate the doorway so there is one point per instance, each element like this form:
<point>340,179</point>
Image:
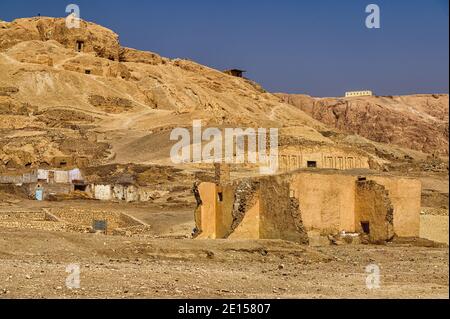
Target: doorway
<point>312,164</point>
<point>365,227</point>
<point>80,46</point>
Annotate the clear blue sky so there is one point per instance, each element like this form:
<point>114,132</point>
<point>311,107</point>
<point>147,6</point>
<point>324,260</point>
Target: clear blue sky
<point>318,47</point>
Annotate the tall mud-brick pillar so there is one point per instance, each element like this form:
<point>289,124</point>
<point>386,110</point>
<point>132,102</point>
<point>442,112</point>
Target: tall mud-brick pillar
<point>222,173</point>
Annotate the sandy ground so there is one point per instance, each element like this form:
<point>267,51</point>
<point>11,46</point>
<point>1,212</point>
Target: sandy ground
<point>434,228</point>
<point>170,265</point>
<point>167,220</point>
<point>33,265</point>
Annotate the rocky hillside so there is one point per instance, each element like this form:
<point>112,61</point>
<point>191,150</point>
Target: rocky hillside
<point>418,122</point>
<point>78,93</point>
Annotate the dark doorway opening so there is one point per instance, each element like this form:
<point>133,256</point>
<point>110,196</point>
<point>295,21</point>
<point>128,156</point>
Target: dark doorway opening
<point>81,188</point>
<point>87,71</point>
<point>365,227</point>
<point>312,164</point>
<point>220,196</point>
<point>80,46</point>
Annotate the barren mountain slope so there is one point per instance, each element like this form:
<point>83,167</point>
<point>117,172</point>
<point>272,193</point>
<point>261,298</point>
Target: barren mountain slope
<point>418,122</point>
<point>77,91</point>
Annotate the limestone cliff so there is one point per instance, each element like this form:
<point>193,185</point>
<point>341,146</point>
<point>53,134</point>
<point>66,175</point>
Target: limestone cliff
<point>418,122</point>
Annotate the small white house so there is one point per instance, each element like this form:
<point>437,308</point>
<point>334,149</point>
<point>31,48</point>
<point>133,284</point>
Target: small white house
<point>358,93</point>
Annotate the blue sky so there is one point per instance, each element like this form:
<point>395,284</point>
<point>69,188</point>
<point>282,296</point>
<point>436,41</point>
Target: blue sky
<point>319,47</point>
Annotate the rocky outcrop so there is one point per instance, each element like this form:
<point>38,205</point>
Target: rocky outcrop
<point>418,122</point>
<point>136,56</point>
<point>110,104</point>
<point>91,37</point>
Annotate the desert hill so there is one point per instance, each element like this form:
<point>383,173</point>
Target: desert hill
<point>56,95</point>
<point>78,93</point>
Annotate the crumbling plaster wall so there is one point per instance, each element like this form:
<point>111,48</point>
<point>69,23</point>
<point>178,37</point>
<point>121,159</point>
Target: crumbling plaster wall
<point>327,201</point>
<point>248,209</point>
<point>293,205</point>
<point>373,205</point>
<point>280,219</point>
<point>128,193</point>
<point>249,227</point>
<point>103,192</point>
<point>405,195</point>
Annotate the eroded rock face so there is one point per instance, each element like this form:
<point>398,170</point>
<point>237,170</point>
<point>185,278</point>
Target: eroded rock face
<point>418,122</point>
<point>136,56</point>
<point>111,104</point>
<point>88,38</point>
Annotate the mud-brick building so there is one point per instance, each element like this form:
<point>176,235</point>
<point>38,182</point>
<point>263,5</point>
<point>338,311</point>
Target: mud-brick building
<point>308,203</point>
<point>41,183</point>
<point>235,72</point>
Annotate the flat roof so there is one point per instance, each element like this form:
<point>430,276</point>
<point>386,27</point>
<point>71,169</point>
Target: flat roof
<point>238,70</point>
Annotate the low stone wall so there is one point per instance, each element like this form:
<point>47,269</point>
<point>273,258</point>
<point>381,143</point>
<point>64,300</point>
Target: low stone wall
<point>127,193</point>
<point>11,179</point>
<point>30,220</point>
<point>86,218</point>
<point>31,216</point>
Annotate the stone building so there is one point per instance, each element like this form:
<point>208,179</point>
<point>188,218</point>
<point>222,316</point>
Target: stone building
<point>235,72</point>
<point>307,205</point>
<point>41,183</point>
<point>293,158</point>
<point>358,93</point>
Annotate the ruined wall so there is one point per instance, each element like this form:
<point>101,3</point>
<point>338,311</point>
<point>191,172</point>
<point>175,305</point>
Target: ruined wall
<point>374,207</point>
<point>225,203</point>
<point>249,227</point>
<point>223,212</point>
<point>280,219</point>
<point>206,213</point>
<point>102,192</point>
<point>118,192</point>
<point>291,207</point>
<point>49,189</point>
<point>124,192</point>
<point>245,196</point>
<point>248,209</point>
<point>147,194</point>
<point>327,201</point>
<point>29,216</point>
<point>131,194</point>
<point>405,195</point>
<point>11,179</point>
